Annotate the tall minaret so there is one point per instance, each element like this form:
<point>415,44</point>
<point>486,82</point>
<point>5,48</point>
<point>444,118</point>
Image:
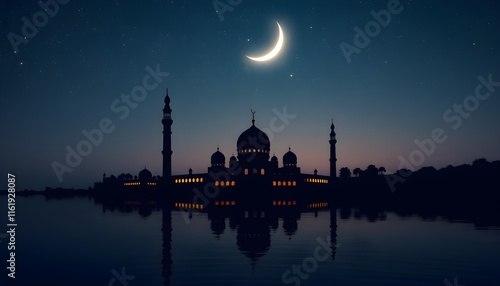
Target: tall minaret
<point>333,157</point>
<point>167,140</point>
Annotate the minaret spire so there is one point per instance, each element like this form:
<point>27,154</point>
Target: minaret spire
<point>167,140</point>
<point>253,116</point>
<point>333,156</point>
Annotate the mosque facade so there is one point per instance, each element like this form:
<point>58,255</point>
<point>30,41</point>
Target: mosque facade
<point>252,167</point>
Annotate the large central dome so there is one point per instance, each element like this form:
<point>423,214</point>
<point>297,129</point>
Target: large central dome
<point>253,147</point>
<point>253,138</point>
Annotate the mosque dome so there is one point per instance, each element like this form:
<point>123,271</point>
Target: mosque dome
<point>253,148</point>
<point>145,174</point>
<point>289,159</point>
<point>218,159</point>
<point>253,138</point>
<point>274,159</point>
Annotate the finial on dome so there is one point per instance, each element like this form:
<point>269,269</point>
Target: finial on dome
<point>289,148</point>
<point>217,147</point>
<point>167,98</point>
<point>253,116</point>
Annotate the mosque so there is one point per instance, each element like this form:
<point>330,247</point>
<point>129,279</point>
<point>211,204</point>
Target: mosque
<point>253,167</point>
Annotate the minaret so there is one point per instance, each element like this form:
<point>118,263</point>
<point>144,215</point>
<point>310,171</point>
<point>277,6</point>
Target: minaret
<point>167,140</point>
<point>333,157</point>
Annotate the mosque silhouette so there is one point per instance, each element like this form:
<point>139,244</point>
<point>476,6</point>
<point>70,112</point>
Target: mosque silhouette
<point>253,167</point>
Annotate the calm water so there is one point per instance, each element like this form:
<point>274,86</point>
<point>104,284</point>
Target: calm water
<point>76,242</point>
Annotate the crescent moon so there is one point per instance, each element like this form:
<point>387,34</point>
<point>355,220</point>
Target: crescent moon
<point>274,51</point>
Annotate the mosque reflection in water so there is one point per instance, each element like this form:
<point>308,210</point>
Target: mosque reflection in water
<point>253,221</point>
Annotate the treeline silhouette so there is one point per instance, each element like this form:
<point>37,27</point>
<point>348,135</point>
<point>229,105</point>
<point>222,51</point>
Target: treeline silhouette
<point>476,185</point>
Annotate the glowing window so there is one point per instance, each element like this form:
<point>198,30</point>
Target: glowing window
<point>284,183</point>
<point>289,183</point>
<point>201,180</point>
<point>294,183</point>
<point>274,183</point>
<point>233,183</point>
<point>216,183</point>
<point>279,183</point>
<point>262,171</point>
<point>246,171</point>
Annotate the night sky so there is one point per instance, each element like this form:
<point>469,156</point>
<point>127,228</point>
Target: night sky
<point>396,89</point>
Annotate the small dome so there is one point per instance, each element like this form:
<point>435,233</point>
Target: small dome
<point>145,174</point>
<point>233,158</point>
<point>289,158</point>
<point>218,158</point>
<point>274,158</point>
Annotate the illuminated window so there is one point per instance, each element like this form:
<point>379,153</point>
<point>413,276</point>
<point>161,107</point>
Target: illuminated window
<point>283,184</point>
<point>262,171</point>
<point>246,171</point>
<point>279,183</point>
<point>201,180</point>
<point>289,183</point>
<point>254,150</point>
<point>233,183</point>
<point>294,183</point>
<point>274,183</point>
<point>197,180</point>
<point>216,183</point>
<point>189,180</point>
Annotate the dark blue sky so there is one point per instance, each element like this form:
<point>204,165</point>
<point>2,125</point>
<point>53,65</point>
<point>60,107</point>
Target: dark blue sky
<point>395,90</point>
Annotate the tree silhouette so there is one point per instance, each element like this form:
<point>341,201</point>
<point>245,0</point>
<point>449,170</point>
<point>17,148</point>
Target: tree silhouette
<point>371,171</point>
<point>381,170</point>
<point>356,172</point>
<point>344,172</point>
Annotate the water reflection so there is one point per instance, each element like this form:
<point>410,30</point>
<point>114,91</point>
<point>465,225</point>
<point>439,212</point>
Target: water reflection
<point>254,222</point>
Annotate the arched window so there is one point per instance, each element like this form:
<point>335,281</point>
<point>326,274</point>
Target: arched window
<point>274,183</point>
<point>279,183</point>
<point>216,183</point>
<point>262,171</point>
<point>246,171</point>
<point>294,183</point>
<point>233,183</point>
<point>284,183</point>
<point>289,183</point>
